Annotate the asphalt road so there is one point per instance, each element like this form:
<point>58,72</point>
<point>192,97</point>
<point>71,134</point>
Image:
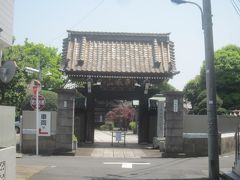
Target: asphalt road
<point>89,168</point>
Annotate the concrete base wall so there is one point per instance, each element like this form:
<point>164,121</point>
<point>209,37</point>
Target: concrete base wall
<point>227,143</point>
<point>46,144</point>
<point>8,163</point>
<point>236,168</point>
<point>196,144</point>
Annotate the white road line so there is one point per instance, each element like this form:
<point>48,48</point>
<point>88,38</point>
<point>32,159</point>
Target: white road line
<point>125,164</point>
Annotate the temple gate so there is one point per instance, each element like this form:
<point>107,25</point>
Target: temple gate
<point>123,66</point>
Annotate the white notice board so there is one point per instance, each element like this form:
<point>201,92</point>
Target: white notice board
<point>118,136</point>
<point>175,105</point>
<point>44,123</point>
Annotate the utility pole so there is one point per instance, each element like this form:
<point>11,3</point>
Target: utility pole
<point>213,154</point>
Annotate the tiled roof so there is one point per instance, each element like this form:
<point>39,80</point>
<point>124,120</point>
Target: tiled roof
<point>104,53</point>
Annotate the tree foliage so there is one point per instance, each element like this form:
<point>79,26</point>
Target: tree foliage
<point>30,55</point>
<point>227,67</point>
<point>121,113</point>
<point>51,101</point>
<point>227,72</point>
<point>121,116</point>
<point>163,87</point>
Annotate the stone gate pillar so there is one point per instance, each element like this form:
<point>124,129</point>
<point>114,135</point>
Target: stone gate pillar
<point>65,120</point>
<point>174,123</point>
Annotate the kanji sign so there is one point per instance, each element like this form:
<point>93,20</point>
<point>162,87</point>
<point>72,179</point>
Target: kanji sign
<point>41,102</point>
<point>44,124</point>
<point>175,105</point>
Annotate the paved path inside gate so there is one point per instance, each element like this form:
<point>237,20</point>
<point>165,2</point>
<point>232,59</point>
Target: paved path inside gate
<point>103,147</point>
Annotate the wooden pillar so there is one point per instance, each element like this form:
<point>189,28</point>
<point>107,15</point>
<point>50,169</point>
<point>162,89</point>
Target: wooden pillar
<point>90,119</point>
<point>143,120</point>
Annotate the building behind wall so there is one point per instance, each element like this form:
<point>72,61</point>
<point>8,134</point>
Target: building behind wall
<point>6,23</point>
<point>7,131</point>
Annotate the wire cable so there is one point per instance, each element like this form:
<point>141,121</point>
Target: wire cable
<point>80,20</point>
<point>235,5</point>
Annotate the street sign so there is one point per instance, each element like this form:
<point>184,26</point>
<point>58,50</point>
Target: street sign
<point>41,102</point>
<point>44,124</point>
<point>35,86</point>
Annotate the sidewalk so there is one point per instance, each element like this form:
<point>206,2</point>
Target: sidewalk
<point>24,172</point>
<point>102,147</point>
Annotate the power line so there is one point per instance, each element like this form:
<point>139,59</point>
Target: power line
<point>80,20</point>
<point>235,5</point>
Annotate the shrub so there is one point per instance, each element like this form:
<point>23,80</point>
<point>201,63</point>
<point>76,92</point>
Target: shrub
<point>108,126</point>
<point>133,125</point>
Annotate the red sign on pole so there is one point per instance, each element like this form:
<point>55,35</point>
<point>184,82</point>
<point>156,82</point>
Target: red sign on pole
<point>35,86</point>
<point>41,102</point>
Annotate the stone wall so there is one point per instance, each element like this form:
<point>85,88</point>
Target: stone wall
<point>199,124</point>
<point>174,123</point>
<point>65,120</point>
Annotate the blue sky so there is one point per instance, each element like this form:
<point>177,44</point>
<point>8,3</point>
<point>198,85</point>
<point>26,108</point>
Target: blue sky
<point>46,21</point>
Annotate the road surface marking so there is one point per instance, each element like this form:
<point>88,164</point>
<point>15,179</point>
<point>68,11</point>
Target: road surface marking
<point>128,165</point>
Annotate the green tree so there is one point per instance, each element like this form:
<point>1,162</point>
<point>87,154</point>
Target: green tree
<point>166,87</point>
<point>192,90</point>
<point>30,55</point>
<point>227,72</point>
<point>51,101</point>
<point>163,87</point>
<point>13,93</point>
<point>227,67</point>
<point>201,104</point>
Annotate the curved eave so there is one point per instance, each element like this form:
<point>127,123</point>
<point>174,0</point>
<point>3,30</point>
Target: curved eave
<point>122,75</point>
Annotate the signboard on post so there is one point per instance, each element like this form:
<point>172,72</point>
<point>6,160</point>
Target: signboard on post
<point>41,102</point>
<point>44,124</point>
<point>118,136</point>
<point>36,88</point>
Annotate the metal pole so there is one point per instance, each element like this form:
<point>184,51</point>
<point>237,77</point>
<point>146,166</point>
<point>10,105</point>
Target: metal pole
<point>39,66</point>
<point>0,57</point>
<point>40,70</point>
<point>213,154</point>
<point>37,116</point>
